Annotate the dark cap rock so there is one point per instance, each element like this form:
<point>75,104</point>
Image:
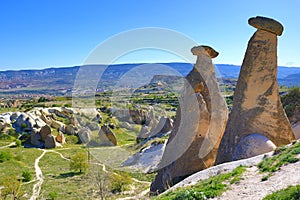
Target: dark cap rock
<point>266,24</point>
<point>204,50</point>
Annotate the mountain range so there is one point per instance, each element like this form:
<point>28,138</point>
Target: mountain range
<point>58,81</point>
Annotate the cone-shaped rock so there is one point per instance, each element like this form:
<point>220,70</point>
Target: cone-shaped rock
<point>198,127</point>
<point>257,108</point>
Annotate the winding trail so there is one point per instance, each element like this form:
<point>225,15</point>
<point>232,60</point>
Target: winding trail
<point>39,176</point>
<point>9,145</point>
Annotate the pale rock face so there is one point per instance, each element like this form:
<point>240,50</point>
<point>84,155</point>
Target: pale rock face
<point>296,129</point>
<point>253,145</point>
<point>199,125</point>
<point>147,160</point>
<point>257,106</point>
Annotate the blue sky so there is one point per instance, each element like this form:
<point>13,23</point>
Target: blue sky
<point>45,33</point>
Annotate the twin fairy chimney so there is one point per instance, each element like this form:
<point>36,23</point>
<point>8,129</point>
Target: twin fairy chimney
<point>199,125</point>
<point>202,137</point>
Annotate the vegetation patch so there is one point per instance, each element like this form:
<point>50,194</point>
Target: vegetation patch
<point>289,193</point>
<point>208,188</point>
<point>282,155</point>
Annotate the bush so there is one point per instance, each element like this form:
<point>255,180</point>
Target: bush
<point>53,195</point>
<point>12,188</point>
<point>26,176</point>
<point>13,133</point>
<point>6,137</point>
<point>119,183</point>
<point>79,162</point>
<point>72,139</point>
<point>18,143</point>
<point>5,156</point>
<point>289,193</point>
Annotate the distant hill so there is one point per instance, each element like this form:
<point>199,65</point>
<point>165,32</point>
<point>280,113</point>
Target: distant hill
<point>61,80</point>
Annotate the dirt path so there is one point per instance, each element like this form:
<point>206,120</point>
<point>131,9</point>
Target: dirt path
<point>252,188</point>
<point>9,145</point>
<point>39,176</point>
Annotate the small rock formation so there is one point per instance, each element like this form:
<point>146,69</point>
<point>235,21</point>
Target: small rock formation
<point>60,138</point>
<point>3,124</point>
<point>50,142</point>
<point>45,131</point>
<point>70,129</point>
<point>257,107</point>
<point>126,125</point>
<point>85,135</point>
<point>57,124</point>
<point>138,116</point>
<point>36,140</point>
<point>107,137</point>
<point>23,123</point>
<point>164,125</point>
<point>199,125</point>
<point>253,145</point>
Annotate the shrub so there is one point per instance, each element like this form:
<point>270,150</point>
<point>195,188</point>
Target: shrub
<point>6,137</point>
<point>52,195</point>
<point>5,156</point>
<point>12,188</point>
<point>289,193</point>
<point>18,143</point>
<point>119,183</point>
<point>26,176</point>
<point>72,139</point>
<point>13,133</point>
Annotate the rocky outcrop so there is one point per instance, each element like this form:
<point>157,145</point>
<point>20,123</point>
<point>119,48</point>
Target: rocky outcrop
<point>257,107</point>
<point>36,140</point>
<point>107,137</point>
<point>70,129</point>
<point>23,123</point>
<point>85,135</point>
<point>45,131</point>
<point>198,127</point>
<point>164,125</point>
<point>50,142</point>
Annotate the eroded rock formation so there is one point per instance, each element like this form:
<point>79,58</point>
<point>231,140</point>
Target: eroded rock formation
<point>200,122</point>
<point>257,108</point>
<point>107,137</point>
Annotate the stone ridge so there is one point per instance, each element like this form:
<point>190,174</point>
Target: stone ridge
<point>266,24</point>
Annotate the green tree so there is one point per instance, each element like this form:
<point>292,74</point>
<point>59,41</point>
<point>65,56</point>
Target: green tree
<point>79,162</point>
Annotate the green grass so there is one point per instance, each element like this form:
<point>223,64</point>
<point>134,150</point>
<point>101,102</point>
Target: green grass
<point>282,156</point>
<point>208,188</point>
<point>289,193</point>
<point>22,160</point>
